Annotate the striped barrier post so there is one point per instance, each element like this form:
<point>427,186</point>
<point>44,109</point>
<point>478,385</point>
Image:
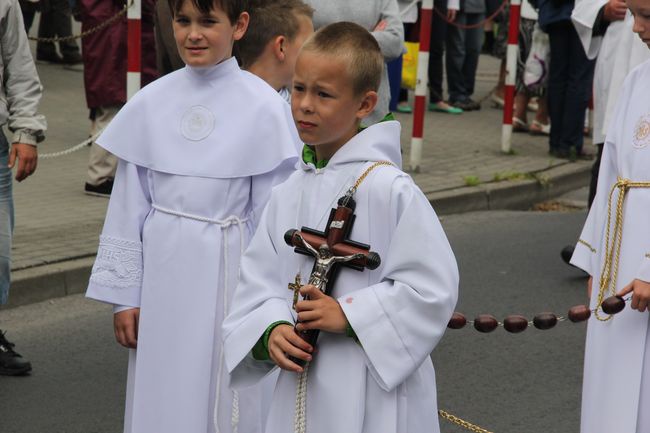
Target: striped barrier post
<point>134,48</point>
<point>421,85</point>
<point>511,73</point>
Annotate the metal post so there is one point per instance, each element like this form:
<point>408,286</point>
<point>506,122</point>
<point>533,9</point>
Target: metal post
<point>511,73</point>
<point>134,49</point>
<point>421,85</point>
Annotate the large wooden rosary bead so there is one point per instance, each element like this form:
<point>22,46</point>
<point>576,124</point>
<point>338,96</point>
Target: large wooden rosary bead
<point>579,313</point>
<point>515,324</point>
<point>545,321</point>
<point>485,323</point>
<point>457,321</point>
<point>613,305</point>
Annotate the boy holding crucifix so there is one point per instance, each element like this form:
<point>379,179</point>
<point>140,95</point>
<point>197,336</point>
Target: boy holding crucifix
<point>381,312</point>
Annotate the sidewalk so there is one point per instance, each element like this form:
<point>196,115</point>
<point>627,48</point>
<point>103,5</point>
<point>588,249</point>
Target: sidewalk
<point>57,225</point>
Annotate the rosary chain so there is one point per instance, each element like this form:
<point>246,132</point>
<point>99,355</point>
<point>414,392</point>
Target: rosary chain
<point>367,172</point>
<point>461,422</point>
<point>91,30</point>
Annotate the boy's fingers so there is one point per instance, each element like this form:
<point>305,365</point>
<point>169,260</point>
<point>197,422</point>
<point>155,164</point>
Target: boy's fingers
<point>297,341</point>
<point>625,290</point>
<point>296,352</point>
<point>306,316</point>
<point>283,362</point>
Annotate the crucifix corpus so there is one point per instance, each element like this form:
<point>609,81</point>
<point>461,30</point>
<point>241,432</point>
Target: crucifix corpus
<point>331,249</point>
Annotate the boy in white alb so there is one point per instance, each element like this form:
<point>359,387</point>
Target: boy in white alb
<point>614,248</point>
<point>200,150</point>
<point>372,372</point>
<point>277,31</point>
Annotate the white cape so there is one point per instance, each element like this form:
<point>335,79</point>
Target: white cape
<point>617,52</point>
<point>386,383</point>
<point>616,389</point>
<point>181,212</point>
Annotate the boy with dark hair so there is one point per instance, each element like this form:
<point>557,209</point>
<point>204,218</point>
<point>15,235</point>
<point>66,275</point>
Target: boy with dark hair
<point>199,151</point>
<point>372,372</point>
<point>277,30</point>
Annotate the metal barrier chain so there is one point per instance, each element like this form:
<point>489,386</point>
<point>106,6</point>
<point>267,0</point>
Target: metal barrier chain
<point>69,150</point>
<point>472,26</point>
<point>461,422</point>
<point>91,30</point>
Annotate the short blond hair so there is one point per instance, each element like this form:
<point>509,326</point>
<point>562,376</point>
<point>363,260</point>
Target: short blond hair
<point>355,44</point>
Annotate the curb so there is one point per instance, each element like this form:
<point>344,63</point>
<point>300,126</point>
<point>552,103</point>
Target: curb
<point>514,195</point>
<point>41,283</point>
<point>70,277</point>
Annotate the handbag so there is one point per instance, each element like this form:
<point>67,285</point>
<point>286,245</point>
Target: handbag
<point>410,65</point>
<point>537,63</point>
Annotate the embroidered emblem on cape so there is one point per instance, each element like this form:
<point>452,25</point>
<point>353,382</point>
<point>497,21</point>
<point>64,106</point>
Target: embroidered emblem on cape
<point>641,136</point>
<point>197,123</point>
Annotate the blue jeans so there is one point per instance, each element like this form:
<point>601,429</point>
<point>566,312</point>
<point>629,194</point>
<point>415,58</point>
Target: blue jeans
<point>463,51</point>
<point>6,219</point>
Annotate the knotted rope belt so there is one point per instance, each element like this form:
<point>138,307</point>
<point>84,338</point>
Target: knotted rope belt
<point>609,273</point>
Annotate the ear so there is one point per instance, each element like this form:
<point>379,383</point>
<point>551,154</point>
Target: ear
<point>368,104</point>
<point>280,47</point>
<point>241,25</point>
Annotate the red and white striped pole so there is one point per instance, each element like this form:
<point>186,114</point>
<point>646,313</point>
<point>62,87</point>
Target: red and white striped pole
<point>511,73</point>
<point>421,85</point>
<point>134,48</point>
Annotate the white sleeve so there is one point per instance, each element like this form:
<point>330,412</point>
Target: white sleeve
<point>587,252</point>
<point>390,40</point>
<point>259,300</point>
<point>584,17</point>
<point>400,320</point>
<point>116,277</point>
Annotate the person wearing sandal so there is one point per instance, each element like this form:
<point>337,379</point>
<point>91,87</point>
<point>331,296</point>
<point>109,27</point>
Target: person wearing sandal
<point>448,8</point>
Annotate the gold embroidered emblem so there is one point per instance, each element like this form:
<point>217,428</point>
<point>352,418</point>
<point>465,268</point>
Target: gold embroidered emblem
<point>642,132</point>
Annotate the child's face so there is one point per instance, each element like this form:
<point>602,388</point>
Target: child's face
<point>292,47</point>
<point>206,39</point>
<point>324,106</point>
<point>641,11</point>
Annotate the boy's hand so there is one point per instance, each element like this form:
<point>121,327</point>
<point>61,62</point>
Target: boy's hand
<point>640,294</point>
<point>27,156</point>
<point>126,327</point>
<point>320,312</point>
<point>284,341</point>
<point>615,10</point>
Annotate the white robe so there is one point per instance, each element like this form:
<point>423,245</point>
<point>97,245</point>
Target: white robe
<point>616,387</point>
<point>617,52</point>
<point>385,384</point>
<point>200,150</point>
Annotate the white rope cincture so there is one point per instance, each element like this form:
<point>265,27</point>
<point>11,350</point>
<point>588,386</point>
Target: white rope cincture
<point>300,417</point>
<point>224,224</point>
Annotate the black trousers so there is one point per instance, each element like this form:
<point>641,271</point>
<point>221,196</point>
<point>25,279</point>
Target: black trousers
<point>56,21</point>
<point>569,87</point>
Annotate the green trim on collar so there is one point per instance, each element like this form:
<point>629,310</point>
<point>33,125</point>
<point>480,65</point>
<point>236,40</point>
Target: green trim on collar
<point>309,154</point>
<point>309,157</point>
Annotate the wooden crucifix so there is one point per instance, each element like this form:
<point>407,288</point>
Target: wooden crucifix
<point>331,249</point>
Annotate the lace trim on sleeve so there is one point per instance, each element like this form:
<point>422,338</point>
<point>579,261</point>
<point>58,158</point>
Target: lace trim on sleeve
<point>118,264</point>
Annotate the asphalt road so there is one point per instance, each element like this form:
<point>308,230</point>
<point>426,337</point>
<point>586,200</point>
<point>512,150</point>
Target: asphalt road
<point>509,264</point>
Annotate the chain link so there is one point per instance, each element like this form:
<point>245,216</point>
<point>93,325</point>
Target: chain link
<point>91,30</point>
<point>70,150</point>
<point>461,422</point>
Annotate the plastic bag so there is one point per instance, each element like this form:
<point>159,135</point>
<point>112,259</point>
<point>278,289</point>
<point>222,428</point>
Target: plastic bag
<point>410,65</point>
<point>536,69</point>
